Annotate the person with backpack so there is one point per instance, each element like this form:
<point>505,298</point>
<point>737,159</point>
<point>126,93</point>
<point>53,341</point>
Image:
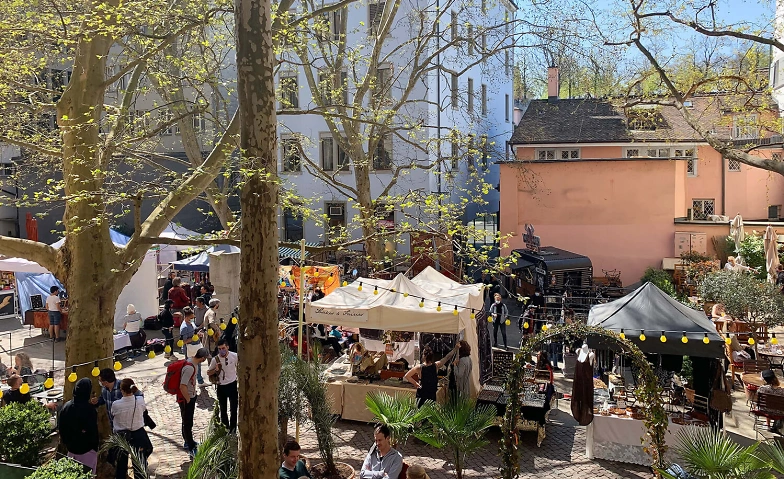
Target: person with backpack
<point>78,426</point>
<point>181,381</point>
<point>187,332</point>
<point>167,325</point>
<point>223,372</point>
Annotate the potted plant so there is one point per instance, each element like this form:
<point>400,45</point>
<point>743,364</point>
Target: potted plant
<point>24,432</point>
<point>63,468</point>
<point>458,425</point>
<point>314,389</point>
<point>399,412</point>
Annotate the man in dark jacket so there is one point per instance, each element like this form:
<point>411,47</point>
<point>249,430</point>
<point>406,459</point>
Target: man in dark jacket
<point>78,425</point>
<point>167,326</point>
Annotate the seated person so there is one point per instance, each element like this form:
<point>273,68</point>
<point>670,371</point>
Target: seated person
<point>416,472</point>
<point>740,353</point>
<point>15,395</point>
<point>718,312</point>
<point>23,366</point>
<point>132,321</point>
<point>293,467</point>
<point>335,332</point>
<point>772,386</point>
<point>382,462</point>
<point>544,371</point>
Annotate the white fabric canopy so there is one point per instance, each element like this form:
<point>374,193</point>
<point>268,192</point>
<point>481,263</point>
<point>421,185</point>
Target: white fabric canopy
<point>393,311</point>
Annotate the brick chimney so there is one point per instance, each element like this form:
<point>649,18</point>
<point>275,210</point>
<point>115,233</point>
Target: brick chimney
<point>553,83</point>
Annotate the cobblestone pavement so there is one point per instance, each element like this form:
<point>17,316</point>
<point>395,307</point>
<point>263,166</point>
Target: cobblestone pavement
<point>562,453</point>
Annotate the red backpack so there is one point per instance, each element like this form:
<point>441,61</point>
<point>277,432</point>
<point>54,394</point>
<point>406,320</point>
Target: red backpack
<point>171,384</point>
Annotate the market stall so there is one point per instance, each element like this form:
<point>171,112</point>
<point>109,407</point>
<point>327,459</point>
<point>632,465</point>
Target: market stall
<point>430,303</point>
<point>657,324</point>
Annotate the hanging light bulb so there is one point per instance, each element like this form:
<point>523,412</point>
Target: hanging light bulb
<point>508,321</point>
<point>684,339</point>
<point>642,335</point>
<point>705,339</point>
<point>49,383</point>
<point>525,325</point>
<point>663,338</point>
<point>393,290</point>
<point>375,290</point>
<point>1,394</point>
<point>728,340</point>
<point>773,339</point>
<point>751,341</point>
<point>438,308</point>
<point>117,365</point>
<point>489,319</point>
<point>222,325</point>
<point>167,349</point>
<point>151,354</point>
<point>95,372</point>
<point>210,331</point>
<point>622,335</point>
<point>422,302</point>
<point>282,283</point>
<point>544,327</point>
<point>72,377</point>
<point>234,320</point>
<point>455,311</point>
<point>24,388</point>
<point>345,283</point>
<point>316,273</point>
<point>405,295</point>
<point>473,314</point>
<point>180,343</point>
<point>195,338</point>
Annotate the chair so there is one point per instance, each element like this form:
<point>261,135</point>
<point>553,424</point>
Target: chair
<point>753,367</point>
<point>769,406</point>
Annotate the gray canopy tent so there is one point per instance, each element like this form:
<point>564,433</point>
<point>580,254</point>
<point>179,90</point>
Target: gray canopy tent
<point>650,309</point>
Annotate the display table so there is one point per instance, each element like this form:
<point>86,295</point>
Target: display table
<point>619,439</point>
<point>39,318</point>
<point>122,341</point>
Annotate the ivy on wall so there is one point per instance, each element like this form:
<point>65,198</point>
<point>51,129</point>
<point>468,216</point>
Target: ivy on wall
<point>648,394</point>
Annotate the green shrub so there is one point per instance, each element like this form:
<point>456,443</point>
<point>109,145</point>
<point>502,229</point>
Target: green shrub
<point>63,468</point>
<point>661,279</point>
<point>24,431</point>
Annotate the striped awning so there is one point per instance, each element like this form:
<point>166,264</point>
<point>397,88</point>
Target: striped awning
<point>285,252</point>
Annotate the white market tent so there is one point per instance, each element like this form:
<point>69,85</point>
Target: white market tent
<point>393,311</point>
<point>168,252</point>
<point>141,291</point>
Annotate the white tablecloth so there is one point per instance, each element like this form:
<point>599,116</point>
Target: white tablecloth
<point>620,439</point>
<point>121,340</point>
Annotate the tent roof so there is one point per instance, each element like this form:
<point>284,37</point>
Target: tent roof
<point>349,307</point>
<point>201,261</point>
<point>649,308</point>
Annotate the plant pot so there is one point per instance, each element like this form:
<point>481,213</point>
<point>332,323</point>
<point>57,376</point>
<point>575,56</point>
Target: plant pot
<point>344,471</point>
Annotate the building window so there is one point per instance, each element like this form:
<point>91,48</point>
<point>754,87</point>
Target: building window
<point>470,37</point>
<point>383,82</point>
<point>7,170</point>
<point>385,216</point>
<point>470,95</point>
<point>332,155</point>
<point>382,157</point>
<point>289,91</point>
<point>691,160</point>
<point>483,149</point>
<point>506,62</point>
<point>776,157</point>
<point>701,209</point>
<point>733,165</point>
<point>745,127</point>
<point>375,13</point>
<point>632,153</point>
<point>336,216</point>
<point>453,27</point>
<point>291,155</point>
<point>560,154</point>
<point>506,107</point>
<point>485,229</point>
<point>332,24</point>
<point>484,100</point>
<point>292,226</point>
<point>658,153</point>
<point>454,91</point>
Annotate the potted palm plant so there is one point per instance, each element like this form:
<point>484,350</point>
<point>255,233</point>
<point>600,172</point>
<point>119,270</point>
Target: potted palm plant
<point>398,412</point>
<point>459,425</point>
<point>290,403</point>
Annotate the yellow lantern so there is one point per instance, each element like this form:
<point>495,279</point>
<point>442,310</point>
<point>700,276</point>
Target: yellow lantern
<point>489,319</point>
<point>180,343</point>
<point>359,288</point>
<point>49,383</point>
<point>525,325</point>
<point>622,335</point>
<point>405,295</point>
<point>455,311</point>
<point>195,338</point>
<point>422,303</point>
<point>728,340</point>
<point>210,332</point>
<point>151,355</point>
<point>1,394</point>
<point>375,290</point>
<point>773,339</point>
<point>473,315</point>
<point>508,322</point>
<point>705,339</point>
<point>642,335</point>
<point>233,320</point>
<point>117,366</point>
<point>663,338</point>
<point>751,341</point>
<point>167,349</point>
<point>345,283</point>
<point>95,372</point>
<point>222,326</point>
<point>72,377</point>
<point>24,388</point>
<point>438,308</point>
<point>684,339</point>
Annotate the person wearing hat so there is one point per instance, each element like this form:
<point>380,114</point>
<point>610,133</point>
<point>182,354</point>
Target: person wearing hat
<point>188,391</point>
<point>772,386</point>
<point>416,472</point>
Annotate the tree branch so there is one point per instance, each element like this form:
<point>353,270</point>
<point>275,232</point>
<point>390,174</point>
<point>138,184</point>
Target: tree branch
<point>41,253</point>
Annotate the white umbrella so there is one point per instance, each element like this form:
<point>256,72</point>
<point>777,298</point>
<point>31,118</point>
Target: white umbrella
<point>736,231</point>
<point>771,253</point>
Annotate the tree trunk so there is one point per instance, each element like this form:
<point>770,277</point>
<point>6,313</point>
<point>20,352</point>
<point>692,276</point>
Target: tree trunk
<point>259,361</point>
<point>373,246</point>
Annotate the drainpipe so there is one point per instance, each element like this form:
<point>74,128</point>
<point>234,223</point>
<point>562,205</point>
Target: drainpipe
<point>723,185</point>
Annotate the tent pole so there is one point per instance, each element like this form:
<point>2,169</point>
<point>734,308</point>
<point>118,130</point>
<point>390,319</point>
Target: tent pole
<point>301,304</point>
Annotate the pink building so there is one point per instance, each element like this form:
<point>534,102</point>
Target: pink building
<point>617,185</point>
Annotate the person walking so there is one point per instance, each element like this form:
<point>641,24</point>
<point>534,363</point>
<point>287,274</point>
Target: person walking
<point>167,327</point>
<point>178,295</point>
<point>225,366</point>
<point>190,346</point>
<point>186,398</point>
<point>199,310</point>
<point>499,313</point>
<point>77,424</point>
<point>128,413</point>
<point>55,313</point>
